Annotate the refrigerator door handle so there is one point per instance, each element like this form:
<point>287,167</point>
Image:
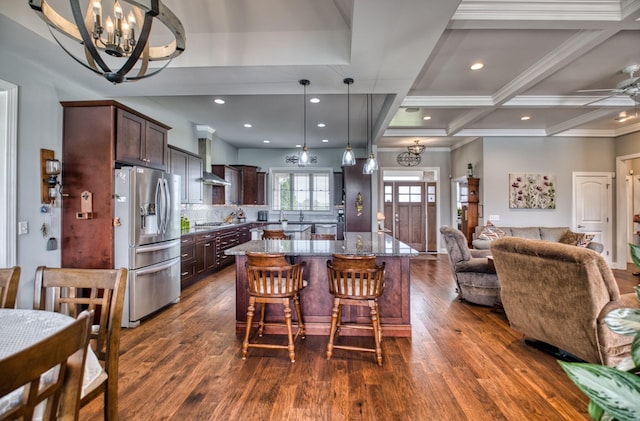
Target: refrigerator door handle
<point>167,204</point>
<point>152,248</point>
<point>160,205</point>
<point>158,268</point>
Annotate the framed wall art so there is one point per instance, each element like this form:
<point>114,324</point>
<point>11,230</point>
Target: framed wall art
<point>532,191</point>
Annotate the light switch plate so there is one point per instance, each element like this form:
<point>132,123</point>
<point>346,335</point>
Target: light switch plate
<point>23,227</point>
<point>494,217</point>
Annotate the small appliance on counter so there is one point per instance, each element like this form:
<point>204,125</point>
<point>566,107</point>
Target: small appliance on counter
<point>263,215</point>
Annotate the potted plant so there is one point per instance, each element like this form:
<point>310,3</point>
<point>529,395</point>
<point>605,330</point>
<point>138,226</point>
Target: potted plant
<point>284,223</point>
<point>613,392</point>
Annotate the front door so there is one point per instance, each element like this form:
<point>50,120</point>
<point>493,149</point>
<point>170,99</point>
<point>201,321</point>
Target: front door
<point>592,208</point>
<point>404,210</point>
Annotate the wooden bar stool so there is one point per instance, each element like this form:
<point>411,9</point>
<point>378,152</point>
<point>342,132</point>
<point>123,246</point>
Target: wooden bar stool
<point>274,235</point>
<point>273,280</point>
<point>356,281</point>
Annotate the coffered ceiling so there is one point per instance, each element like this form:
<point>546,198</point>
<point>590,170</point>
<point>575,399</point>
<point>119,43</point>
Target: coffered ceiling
<point>412,56</point>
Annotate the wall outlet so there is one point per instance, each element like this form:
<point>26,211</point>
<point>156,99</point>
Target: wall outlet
<point>23,227</point>
<point>494,217</point>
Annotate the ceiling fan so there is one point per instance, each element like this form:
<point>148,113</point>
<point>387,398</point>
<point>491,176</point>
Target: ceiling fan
<point>629,86</point>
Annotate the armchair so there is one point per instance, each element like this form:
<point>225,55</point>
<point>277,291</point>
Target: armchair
<point>476,279</point>
<point>559,294</point>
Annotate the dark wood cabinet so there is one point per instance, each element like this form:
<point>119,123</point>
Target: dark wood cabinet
<point>189,167</point>
<point>261,188</point>
<point>93,134</point>
<point>226,195</point>
<point>226,239</point>
<point>469,216</point>
<point>357,198</point>
<point>205,252</point>
<point>338,189</point>
<point>140,141</point>
<point>248,184</point>
<point>187,260</point>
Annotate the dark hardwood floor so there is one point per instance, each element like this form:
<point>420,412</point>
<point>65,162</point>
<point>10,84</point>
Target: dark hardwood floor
<point>463,362</point>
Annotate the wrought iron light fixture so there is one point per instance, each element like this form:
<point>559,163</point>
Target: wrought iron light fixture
<point>348,158</point>
<point>371,165</point>
<point>116,36</point>
<point>417,148</point>
<point>303,156</point>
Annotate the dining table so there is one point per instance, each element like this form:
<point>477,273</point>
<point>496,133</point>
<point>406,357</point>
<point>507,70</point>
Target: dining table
<point>22,328</point>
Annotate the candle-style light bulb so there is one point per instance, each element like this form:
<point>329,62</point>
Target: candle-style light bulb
<point>97,16</point>
<point>132,24</point>
<point>117,10</point>
<point>109,27</point>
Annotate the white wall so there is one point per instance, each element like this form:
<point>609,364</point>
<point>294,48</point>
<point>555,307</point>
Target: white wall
<point>552,155</point>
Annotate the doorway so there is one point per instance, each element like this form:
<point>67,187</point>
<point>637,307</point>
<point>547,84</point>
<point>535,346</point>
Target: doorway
<point>8,173</point>
<point>410,206</point>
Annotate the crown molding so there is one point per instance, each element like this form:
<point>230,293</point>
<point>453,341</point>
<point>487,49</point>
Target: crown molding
<point>597,10</point>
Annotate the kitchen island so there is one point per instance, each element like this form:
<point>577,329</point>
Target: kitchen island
<point>295,231</point>
<point>316,300</point>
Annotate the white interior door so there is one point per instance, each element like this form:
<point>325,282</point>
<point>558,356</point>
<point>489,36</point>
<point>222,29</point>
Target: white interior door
<point>593,208</point>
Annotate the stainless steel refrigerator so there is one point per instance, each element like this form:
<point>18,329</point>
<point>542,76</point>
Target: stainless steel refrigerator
<point>147,239</point>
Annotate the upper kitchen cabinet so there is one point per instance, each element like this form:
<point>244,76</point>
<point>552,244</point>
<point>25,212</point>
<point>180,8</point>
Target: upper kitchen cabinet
<point>226,195</point>
<point>189,167</point>
<point>91,135</point>
<point>140,141</point>
<point>252,183</point>
<point>261,190</point>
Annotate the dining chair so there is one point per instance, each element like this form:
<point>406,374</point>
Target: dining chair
<point>323,236</point>
<point>274,235</point>
<point>355,280</point>
<point>66,349</point>
<point>273,280</point>
<point>9,280</point>
<point>70,290</point>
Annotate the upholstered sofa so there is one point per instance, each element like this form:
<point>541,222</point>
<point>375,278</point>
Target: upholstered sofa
<point>559,294</point>
<point>554,234</point>
<point>476,280</point>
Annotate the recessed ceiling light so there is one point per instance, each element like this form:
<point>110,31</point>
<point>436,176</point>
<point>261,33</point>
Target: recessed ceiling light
<point>266,141</point>
<point>525,118</point>
<point>325,140</point>
<point>412,109</point>
<point>427,117</point>
<point>247,125</point>
<point>219,101</point>
<point>322,125</point>
<point>298,146</point>
<point>476,66</point>
<point>314,100</point>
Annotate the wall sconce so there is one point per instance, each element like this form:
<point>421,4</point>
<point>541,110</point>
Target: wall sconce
<point>50,169</point>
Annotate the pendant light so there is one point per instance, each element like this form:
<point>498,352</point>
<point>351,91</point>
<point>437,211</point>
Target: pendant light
<point>371,164</point>
<point>303,156</point>
<point>348,158</point>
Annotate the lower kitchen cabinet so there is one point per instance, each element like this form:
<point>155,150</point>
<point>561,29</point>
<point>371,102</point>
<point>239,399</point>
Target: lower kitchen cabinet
<point>205,252</point>
<point>226,239</point>
<point>187,260</point>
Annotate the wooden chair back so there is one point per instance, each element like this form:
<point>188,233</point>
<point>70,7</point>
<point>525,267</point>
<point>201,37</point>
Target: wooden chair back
<point>355,276</point>
<point>9,281</point>
<point>71,290</point>
<point>323,236</point>
<point>274,235</point>
<point>269,274</point>
<point>67,350</point>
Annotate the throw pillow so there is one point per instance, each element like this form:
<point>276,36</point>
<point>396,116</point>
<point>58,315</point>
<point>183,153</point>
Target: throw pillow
<point>572,238</point>
<point>490,232</point>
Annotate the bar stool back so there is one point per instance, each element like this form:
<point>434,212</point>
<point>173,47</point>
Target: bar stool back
<point>273,280</point>
<point>355,281</point>
<point>274,235</point>
<point>323,236</point>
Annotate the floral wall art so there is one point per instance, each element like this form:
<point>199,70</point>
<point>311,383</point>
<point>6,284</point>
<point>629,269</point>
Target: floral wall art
<point>532,191</point>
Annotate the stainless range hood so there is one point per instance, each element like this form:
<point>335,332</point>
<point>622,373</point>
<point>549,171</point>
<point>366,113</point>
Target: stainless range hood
<point>213,180</point>
<point>208,178</point>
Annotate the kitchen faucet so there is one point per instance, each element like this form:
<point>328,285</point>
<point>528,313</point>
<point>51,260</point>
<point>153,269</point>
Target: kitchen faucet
<point>301,216</point>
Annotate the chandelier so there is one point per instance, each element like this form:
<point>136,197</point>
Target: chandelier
<point>116,36</point>
<point>417,148</point>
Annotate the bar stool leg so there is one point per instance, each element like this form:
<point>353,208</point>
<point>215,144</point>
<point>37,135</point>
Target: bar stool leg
<point>337,306</point>
<point>287,319</point>
<point>377,334</point>
<point>263,308</point>
<point>250,310</point>
<point>298,306</point>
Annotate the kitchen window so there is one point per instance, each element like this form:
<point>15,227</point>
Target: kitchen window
<point>301,190</point>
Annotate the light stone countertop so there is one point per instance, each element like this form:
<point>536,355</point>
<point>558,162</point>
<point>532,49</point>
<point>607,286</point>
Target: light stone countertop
<point>377,243</point>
